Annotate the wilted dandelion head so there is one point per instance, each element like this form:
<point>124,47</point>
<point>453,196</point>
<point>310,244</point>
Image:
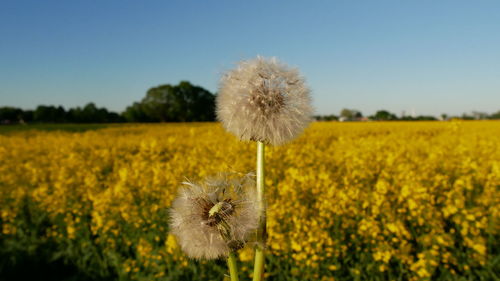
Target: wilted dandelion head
<point>264,100</point>
<point>212,218</point>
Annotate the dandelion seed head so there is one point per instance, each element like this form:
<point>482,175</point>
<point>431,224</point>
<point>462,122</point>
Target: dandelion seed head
<point>214,217</point>
<point>264,100</point>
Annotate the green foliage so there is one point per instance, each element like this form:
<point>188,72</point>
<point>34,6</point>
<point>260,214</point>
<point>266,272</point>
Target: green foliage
<point>384,115</point>
<point>326,117</point>
<point>136,113</point>
<point>350,114</point>
<point>90,113</point>
<point>10,114</point>
<point>495,115</point>
<point>180,103</point>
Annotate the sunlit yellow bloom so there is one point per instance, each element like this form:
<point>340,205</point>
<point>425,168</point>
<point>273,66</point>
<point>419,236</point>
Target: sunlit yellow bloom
<point>423,196</point>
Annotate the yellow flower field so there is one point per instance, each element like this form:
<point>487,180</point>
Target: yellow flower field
<point>347,201</point>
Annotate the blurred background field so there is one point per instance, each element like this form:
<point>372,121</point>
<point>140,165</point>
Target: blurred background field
<point>347,201</point>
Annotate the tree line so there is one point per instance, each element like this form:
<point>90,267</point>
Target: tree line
<point>384,115</point>
<point>165,103</point>
<point>90,113</point>
<point>183,102</point>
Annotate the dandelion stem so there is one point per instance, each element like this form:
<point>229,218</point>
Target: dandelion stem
<point>258,270</point>
<point>233,267</point>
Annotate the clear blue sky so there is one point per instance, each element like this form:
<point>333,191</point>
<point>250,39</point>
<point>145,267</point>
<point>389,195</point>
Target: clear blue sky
<point>432,57</point>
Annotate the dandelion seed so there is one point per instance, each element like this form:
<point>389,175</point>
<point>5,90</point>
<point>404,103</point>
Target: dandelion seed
<point>216,217</point>
<point>264,100</point>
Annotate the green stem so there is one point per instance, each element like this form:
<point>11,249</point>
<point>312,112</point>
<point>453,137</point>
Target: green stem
<point>233,267</point>
<point>258,271</point>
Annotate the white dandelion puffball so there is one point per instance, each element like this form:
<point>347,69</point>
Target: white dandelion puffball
<point>264,100</point>
<point>215,217</point>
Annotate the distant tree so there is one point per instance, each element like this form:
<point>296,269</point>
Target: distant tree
<point>10,115</point>
<point>350,114</point>
<point>180,103</point>
<point>419,118</point>
<point>384,115</point>
<point>136,113</point>
<point>406,118</point>
<point>74,115</point>
<point>198,104</point>
<point>159,103</point>
<point>425,118</point>
<point>49,114</point>
<point>59,114</point>
<point>27,116</point>
<point>90,113</point>
<point>52,114</point>
<point>113,117</point>
<point>495,115</point>
<point>330,117</point>
<point>346,113</point>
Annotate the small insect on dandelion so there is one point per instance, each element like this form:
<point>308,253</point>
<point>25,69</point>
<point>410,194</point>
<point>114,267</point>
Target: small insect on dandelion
<point>215,217</point>
<point>264,100</point>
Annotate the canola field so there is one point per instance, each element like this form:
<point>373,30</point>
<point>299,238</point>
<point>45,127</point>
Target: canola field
<point>346,201</point>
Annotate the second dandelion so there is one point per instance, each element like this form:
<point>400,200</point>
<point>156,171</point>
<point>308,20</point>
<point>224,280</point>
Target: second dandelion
<point>214,218</point>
